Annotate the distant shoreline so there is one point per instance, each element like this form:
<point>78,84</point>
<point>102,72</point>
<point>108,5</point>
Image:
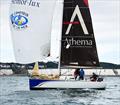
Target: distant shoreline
<point>88,72</point>
<point>21,75</point>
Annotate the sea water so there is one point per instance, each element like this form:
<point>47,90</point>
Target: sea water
<point>14,90</point>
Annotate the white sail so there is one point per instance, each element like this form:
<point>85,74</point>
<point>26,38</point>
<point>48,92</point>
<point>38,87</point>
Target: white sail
<point>30,22</point>
<point>57,29</point>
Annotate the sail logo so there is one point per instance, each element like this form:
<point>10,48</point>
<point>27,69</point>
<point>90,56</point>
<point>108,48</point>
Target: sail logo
<point>19,20</point>
<point>76,40</point>
<point>73,42</point>
<point>78,13</point>
<point>32,3</point>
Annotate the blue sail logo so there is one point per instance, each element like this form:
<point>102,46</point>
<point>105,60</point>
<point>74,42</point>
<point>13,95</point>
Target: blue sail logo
<point>19,20</point>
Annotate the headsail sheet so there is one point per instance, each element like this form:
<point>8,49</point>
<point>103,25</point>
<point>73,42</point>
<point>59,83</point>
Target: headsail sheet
<point>31,22</point>
<point>78,47</point>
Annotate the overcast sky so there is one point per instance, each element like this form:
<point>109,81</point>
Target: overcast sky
<point>106,24</point>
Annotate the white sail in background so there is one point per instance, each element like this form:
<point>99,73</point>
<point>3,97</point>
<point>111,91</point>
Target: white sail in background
<point>30,22</point>
<point>57,29</point>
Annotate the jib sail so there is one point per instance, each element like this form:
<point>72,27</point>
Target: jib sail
<point>31,23</point>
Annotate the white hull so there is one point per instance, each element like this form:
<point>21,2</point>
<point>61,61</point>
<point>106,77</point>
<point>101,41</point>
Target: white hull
<point>67,84</point>
<point>72,85</point>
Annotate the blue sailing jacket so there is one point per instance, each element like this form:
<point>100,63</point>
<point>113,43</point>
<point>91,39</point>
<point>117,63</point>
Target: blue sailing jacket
<point>82,73</point>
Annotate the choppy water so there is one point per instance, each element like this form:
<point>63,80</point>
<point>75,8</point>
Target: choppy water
<point>15,91</point>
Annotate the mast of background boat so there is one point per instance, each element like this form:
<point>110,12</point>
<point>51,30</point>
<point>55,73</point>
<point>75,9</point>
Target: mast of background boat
<point>59,64</point>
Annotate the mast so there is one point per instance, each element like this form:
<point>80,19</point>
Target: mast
<point>59,63</point>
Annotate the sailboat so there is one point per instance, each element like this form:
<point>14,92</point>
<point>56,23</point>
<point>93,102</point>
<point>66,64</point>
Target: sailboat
<point>77,49</point>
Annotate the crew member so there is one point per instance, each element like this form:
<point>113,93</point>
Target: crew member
<point>94,77</point>
<point>76,73</point>
<point>81,74</point>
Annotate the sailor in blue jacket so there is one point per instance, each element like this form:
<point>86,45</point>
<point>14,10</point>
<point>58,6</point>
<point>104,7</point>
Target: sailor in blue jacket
<point>82,74</point>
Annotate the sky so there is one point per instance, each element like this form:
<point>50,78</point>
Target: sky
<point>106,23</point>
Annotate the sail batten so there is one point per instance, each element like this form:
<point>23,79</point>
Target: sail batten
<point>78,46</point>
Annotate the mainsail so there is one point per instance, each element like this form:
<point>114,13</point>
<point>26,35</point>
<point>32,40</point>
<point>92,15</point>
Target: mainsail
<point>78,47</point>
<point>31,22</point>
